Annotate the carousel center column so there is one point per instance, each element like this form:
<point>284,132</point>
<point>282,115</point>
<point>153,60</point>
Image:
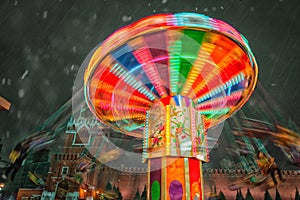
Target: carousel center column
<point>175,144</point>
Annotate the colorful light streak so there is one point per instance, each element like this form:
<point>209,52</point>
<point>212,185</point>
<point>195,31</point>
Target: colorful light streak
<point>186,66</point>
<point>131,80</point>
<point>220,89</point>
<point>186,54</point>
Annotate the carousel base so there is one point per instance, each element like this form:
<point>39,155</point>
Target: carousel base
<point>175,178</point>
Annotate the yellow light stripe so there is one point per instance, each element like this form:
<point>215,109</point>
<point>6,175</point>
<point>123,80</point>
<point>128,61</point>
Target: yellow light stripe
<point>145,153</point>
<point>119,107</point>
<point>209,77</point>
<point>164,188</point>
<point>168,129</point>
<point>201,178</point>
<point>193,131</point>
<point>106,63</point>
<point>235,53</point>
<point>187,179</point>
<point>137,43</point>
<point>113,118</point>
<point>148,181</point>
<point>127,95</point>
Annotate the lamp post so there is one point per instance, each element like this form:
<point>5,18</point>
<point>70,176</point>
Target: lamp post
<point>1,188</point>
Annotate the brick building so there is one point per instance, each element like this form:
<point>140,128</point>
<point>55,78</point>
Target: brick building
<point>29,194</point>
<point>224,180</point>
<point>64,176</point>
<point>77,169</point>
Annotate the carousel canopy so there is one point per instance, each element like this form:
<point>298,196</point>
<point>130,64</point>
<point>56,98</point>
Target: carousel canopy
<point>164,58</point>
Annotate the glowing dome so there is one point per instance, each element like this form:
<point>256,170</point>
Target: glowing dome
<point>165,58</point>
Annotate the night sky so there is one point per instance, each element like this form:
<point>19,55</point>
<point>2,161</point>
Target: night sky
<point>43,44</point>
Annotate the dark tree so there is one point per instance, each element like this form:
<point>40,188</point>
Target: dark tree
<point>114,188</point>
<point>267,195</point>
<point>249,195</point>
<point>297,195</point>
<point>213,193</point>
<point>144,193</point>
<point>108,186</point>
<point>277,197</point>
<point>119,195</point>
<point>222,196</point>
<point>137,195</point>
<point>239,195</point>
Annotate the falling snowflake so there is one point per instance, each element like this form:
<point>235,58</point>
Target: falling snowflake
<point>7,134</point>
<point>45,13</point>
<point>74,49</point>
<point>8,81</point>
<point>24,74</point>
<point>19,114</point>
<point>126,18</point>
<point>94,16</point>
<point>46,82</point>
<point>3,81</point>
<point>21,93</point>
<point>66,71</point>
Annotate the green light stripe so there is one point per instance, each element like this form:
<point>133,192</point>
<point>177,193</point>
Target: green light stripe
<point>214,112</point>
<point>191,43</point>
<point>174,62</point>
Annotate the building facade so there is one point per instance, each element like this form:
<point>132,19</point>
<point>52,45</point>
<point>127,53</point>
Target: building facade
<point>79,170</point>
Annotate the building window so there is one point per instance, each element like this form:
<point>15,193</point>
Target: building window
<point>64,170</point>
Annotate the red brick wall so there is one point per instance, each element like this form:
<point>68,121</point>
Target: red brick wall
<point>223,179</point>
<point>23,192</point>
<point>129,183</point>
<point>58,161</point>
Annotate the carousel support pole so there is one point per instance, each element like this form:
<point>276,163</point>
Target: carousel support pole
<point>175,145</point>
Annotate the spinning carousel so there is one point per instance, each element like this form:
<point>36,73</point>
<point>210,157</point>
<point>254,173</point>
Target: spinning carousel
<point>168,78</point>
